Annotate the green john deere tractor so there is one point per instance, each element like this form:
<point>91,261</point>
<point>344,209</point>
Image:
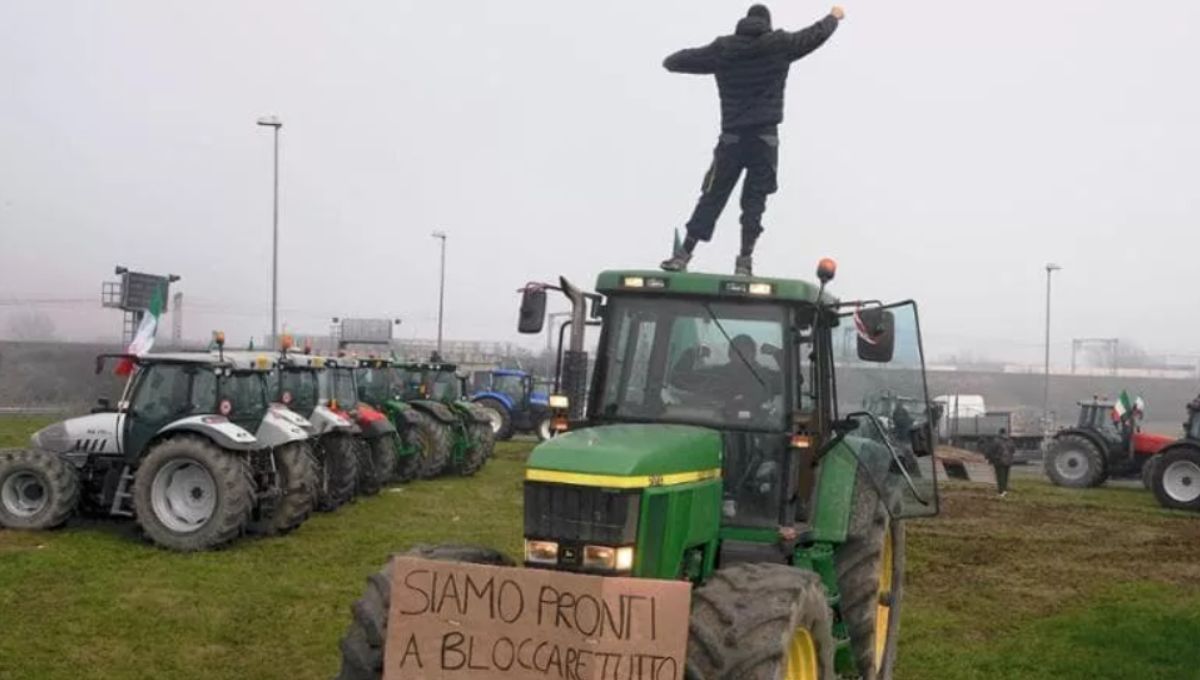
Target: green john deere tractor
<point>437,387</point>
<point>722,441</point>
<point>425,444</point>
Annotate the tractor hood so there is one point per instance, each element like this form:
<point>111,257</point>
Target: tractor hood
<point>629,452</point>
<point>95,433</point>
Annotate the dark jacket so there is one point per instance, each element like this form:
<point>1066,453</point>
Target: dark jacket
<point>1000,451</point>
<point>751,67</point>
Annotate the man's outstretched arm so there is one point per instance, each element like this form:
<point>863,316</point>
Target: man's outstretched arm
<point>800,43</point>
<point>696,60</point>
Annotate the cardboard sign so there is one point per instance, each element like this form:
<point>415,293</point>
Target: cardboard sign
<point>457,621</point>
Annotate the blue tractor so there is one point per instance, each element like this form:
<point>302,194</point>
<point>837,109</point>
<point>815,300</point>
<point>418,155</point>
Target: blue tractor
<point>511,403</point>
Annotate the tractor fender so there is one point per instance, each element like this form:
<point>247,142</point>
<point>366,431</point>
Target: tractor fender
<point>374,429</point>
<point>325,420</point>
<point>403,412</point>
<point>437,410</point>
<point>1191,444</point>
<point>477,413</point>
<point>277,428</point>
<point>219,429</point>
<point>498,396</point>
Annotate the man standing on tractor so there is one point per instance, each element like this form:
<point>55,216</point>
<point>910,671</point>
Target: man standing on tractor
<point>751,67</point>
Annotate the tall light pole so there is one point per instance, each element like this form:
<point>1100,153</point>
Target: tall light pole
<point>1050,269</point>
<point>441,288</point>
<point>274,122</point>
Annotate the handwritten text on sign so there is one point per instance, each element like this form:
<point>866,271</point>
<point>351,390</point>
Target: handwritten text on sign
<point>453,621</point>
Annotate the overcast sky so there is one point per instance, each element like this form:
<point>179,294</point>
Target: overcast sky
<point>938,149</point>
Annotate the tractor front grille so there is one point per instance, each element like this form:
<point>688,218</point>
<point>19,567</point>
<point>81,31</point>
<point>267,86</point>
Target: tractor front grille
<point>582,514</point>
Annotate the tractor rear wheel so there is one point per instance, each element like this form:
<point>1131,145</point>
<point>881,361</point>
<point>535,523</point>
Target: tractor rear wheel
<point>870,570</point>
<point>298,481</point>
<point>38,490</point>
<point>432,443</point>
<point>480,441</point>
<point>408,460</point>
<point>190,495</point>
<point>1148,472</point>
<point>1074,461</point>
<point>1177,478</point>
<point>337,470</point>
<point>760,622</point>
<point>499,416</point>
<point>366,637</point>
<point>376,464</point>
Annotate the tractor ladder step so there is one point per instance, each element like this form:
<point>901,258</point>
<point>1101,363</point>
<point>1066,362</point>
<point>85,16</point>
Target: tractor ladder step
<point>119,506</point>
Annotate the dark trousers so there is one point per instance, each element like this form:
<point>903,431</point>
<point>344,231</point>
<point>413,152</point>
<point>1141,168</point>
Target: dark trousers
<point>1002,477</point>
<point>756,152</point>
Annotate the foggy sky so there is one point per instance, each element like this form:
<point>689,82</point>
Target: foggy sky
<point>939,150</point>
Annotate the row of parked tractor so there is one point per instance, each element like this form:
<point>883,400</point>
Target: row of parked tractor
<point>205,447</point>
<point>1103,445</point>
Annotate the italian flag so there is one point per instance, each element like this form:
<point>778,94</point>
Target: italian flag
<point>1125,406</point>
<point>143,340</point>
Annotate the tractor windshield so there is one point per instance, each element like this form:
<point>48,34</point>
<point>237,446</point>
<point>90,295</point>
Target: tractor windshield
<point>719,364</point>
<point>375,385</point>
<point>246,393</point>
<point>297,389</point>
<point>512,385</point>
<point>341,387</point>
<point>442,385</point>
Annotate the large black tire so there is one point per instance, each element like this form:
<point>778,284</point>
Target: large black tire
<point>366,637</point>
<point>190,495</point>
<point>544,430</point>
<point>376,464</point>
<point>480,441</point>
<point>870,571</point>
<point>1177,478</point>
<point>745,618</point>
<point>432,441</point>
<point>502,420</point>
<point>408,462</point>
<point>337,469</point>
<point>1074,461</point>
<point>298,480</point>
<point>1148,472</point>
<point>38,490</point>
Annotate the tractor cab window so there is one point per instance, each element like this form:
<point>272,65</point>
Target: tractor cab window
<point>512,385</point>
<point>889,406</point>
<point>374,384</point>
<point>246,392</point>
<point>341,384</point>
<point>297,389</point>
<point>1193,425</point>
<point>162,392</point>
<point>1099,417</point>
<point>710,363</point>
<point>204,391</point>
<point>442,385</point>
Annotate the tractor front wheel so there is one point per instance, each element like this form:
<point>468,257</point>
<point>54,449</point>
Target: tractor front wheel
<point>870,571</point>
<point>190,495</point>
<point>1177,478</point>
<point>760,622</point>
<point>337,468</point>
<point>432,443</point>
<point>499,417</point>
<point>38,490</point>
<point>366,637</point>
<point>298,481</point>
<point>1074,461</point>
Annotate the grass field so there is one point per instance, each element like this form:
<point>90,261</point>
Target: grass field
<point>1044,584</point>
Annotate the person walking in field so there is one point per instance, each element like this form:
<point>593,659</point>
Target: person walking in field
<point>1000,451</point>
<point>751,67</point>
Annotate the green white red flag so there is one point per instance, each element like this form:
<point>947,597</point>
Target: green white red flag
<point>143,339</point>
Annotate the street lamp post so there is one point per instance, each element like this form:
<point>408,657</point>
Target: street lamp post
<point>441,288</point>
<point>1050,269</point>
<point>276,124</point>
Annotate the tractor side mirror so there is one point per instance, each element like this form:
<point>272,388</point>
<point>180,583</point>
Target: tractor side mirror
<point>533,311</point>
<point>876,335</point>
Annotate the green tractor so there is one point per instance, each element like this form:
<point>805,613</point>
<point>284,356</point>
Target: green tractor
<point>426,443</point>
<point>721,441</point>
<point>437,384</point>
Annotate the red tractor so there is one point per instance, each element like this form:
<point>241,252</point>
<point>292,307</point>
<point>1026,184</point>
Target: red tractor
<point>1099,446</point>
<point>1174,474</point>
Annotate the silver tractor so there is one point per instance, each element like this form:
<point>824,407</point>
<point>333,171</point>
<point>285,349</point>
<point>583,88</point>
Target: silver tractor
<point>192,451</point>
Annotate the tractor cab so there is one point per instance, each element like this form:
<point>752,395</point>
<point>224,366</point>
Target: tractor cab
<point>512,404</point>
<point>1097,416</point>
<point>436,381</point>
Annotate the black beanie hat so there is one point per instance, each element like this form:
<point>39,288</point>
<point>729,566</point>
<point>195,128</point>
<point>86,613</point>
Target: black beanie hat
<point>759,11</point>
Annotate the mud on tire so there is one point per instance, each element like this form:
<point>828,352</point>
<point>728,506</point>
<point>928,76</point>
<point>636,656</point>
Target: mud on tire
<point>376,464</point>
<point>744,617</point>
<point>298,480</point>
<point>190,495</point>
<point>431,440</point>
<point>480,442</point>
<point>337,471</point>
<point>363,644</point>
<point>38,490</point>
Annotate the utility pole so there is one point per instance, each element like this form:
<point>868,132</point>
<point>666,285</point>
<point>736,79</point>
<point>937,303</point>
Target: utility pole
<point>1050,269</point>
<point>441,288</point>
<point>274,122</point>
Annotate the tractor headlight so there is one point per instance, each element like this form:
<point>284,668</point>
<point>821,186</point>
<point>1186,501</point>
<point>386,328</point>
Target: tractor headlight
<point>541,552</point>
<point>607,558</point>
<point>559,401</point>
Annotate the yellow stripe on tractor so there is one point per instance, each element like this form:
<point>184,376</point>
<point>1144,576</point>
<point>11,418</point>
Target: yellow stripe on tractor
<point>621,482</point>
